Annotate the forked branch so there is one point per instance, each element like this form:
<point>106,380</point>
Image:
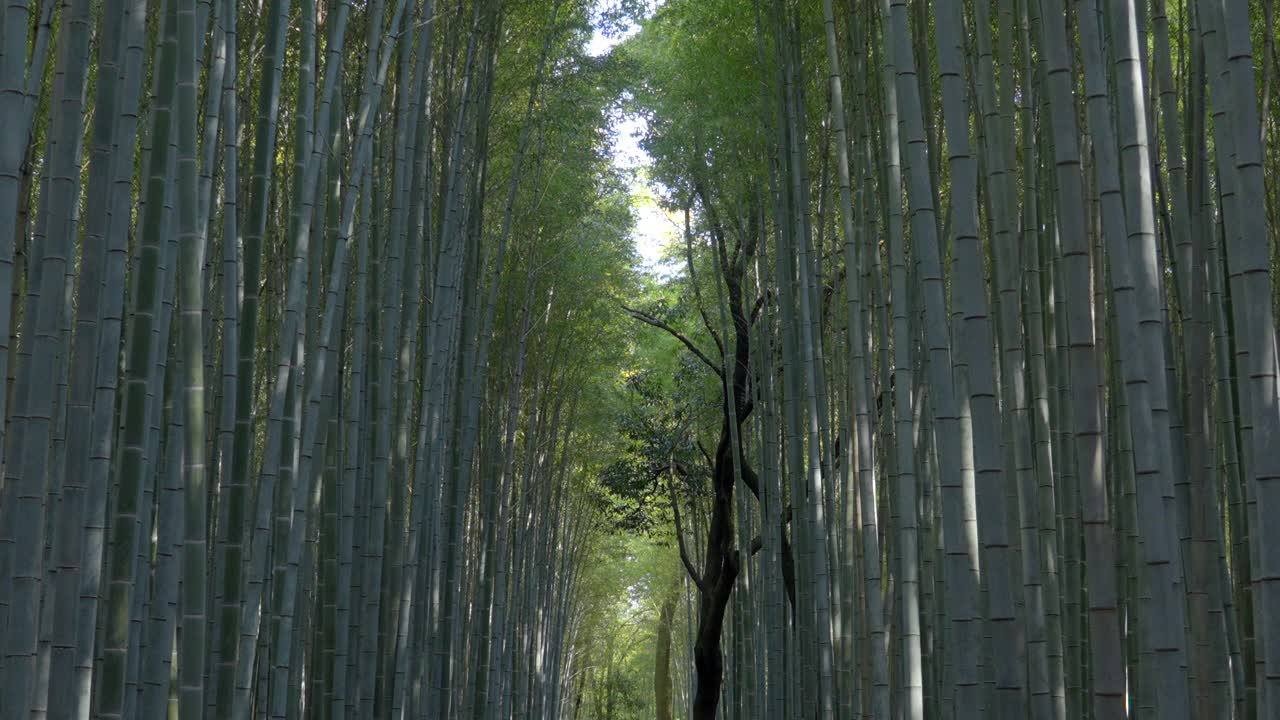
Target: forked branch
<point>648,319</point>
<point>684,550</point>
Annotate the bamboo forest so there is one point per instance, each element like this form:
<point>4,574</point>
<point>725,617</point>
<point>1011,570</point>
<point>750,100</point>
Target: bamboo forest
<point>639,360</point>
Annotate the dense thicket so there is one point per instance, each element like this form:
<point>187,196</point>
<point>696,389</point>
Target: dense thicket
<point>332,388</point>
<point>981,298</point>
<point>303,306</point>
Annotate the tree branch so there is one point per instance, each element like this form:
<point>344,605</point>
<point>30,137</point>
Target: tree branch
<point>711,464</point>
<point>684,551</point>
<point>648,319</point>
<point>755,311</point>
<point>693,281</point>
<point>788,565</point>
<point>717,228</point>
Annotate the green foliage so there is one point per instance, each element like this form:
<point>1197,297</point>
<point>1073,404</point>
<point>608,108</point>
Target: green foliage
<point>698,87</point>
<point>652,426</point>
<point>624,581</point>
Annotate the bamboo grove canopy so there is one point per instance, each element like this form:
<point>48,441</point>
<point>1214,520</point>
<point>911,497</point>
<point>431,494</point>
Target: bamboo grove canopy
<point>336,386</point>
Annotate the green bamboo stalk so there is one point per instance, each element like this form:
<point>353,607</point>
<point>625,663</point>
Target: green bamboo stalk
<point>1082,371</point>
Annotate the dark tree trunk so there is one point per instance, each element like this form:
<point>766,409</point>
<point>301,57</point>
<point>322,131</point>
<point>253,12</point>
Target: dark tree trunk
<point>720,571</point>
<point>721,564</point>
<point>722,560</point>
